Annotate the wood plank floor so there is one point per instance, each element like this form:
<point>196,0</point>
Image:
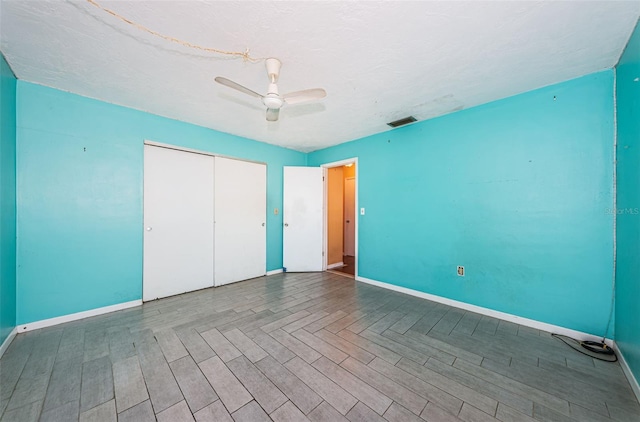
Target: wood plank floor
<point>298,347</point>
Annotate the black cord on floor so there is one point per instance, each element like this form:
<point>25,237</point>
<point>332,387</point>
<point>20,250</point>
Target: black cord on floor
<point>596,348</point>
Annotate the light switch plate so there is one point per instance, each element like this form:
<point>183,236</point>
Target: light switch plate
<point>361,211</point>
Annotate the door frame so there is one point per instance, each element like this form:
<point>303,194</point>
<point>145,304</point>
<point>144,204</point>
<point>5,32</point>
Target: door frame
<point>325,168</point>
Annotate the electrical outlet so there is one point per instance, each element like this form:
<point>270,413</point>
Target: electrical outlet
<point>460,270</point>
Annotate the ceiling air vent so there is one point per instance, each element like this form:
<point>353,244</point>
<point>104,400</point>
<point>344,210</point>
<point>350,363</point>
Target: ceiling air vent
<point>402,122</point>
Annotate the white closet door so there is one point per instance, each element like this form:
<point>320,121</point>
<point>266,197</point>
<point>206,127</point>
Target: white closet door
<point>178,222</point>
<point>240,223</point>
<point>303,219</point>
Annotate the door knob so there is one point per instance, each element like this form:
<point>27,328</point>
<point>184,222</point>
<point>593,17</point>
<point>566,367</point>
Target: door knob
<point>348,221</point>
<point>262,224</point>
<point>286,225</point>
<point>148,229</point>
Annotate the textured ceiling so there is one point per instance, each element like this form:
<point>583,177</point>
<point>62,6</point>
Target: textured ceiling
<point>378,61</point>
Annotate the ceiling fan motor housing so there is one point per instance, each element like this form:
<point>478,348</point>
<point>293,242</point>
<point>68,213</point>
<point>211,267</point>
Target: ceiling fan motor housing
<point>272,99</point>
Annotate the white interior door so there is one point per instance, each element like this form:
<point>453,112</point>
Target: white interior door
<point>303,219</point>
<point>178,222</point>
<point>240,220</point>
<point>350,216</point>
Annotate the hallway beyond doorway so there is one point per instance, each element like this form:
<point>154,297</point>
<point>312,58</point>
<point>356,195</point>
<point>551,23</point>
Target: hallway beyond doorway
<point>349,266</point>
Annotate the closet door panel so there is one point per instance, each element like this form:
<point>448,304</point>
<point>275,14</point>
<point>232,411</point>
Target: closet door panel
<point>240,220</point>
<point>178,222</point>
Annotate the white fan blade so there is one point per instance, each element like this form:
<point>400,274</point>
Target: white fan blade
<point>272,114</point>
<point>304,96</point>
<point>236,86</point>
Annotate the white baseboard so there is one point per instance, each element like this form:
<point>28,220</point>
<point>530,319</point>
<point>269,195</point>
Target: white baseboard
<point>272,272</point>
<point>7,342</point>
<point>579,335</point>
<point>627,371</point>
<point>336,265</point>
<point>74,317</point>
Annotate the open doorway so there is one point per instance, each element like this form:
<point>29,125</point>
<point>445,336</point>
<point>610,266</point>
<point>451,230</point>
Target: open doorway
<point>341,218</point>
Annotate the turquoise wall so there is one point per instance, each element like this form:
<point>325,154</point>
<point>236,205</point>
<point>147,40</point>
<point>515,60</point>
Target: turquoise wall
<point>519,191</point>
<point>628,204</point>
<point>79,178</point>
<point>7,199</point>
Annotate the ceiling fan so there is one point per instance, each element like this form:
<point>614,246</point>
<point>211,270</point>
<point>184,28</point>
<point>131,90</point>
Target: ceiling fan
<point>273,100</point>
